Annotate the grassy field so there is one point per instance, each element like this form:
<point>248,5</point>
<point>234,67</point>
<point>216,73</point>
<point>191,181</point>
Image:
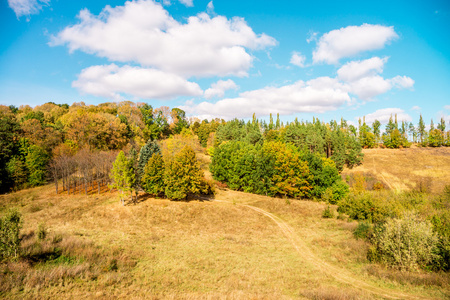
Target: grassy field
<point>243,246</point>
<point>233,246</point>
<point>407,169</point>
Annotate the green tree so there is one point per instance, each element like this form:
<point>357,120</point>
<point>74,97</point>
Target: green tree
<point>291,174</point>
<point>435,138</point>
<point>9,137</point>
<point>376,130</point>
<point>36,161</point>
<point>441,125</point>
<point>152,180</point>
<point>122,175</point>
<point>183,176</point>
<point>146,153</point>
<point>17,171</point>
<point>179,120</point>
<point>421,131</point>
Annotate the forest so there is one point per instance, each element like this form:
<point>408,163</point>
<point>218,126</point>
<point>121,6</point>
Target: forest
<point>79,144</point>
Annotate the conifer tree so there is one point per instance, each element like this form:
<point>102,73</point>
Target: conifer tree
<point>183,176</point>
<point>122,175</point>
<point>145,154</point>
<point>421,130</point>
<point>441,125</point>
<point>152,180</point>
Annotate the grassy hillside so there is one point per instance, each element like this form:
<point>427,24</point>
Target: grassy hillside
<point>425,169</point>
<point>238,246</point>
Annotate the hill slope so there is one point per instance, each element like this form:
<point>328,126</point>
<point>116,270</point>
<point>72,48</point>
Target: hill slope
<point>247,246</point>
<point>407,169</point>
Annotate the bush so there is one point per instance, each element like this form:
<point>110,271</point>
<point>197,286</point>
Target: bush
<point>42,232</point>
<point>406,243</point>
<point>328,213</point>
<point>363,231</point>
<point>339,191</point>
<point>378,186</point>
<point>10,226</point>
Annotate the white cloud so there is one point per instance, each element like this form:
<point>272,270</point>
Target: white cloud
<point>298,59</point>
<point>447,107</point>
<point>402,82</point>
<point>416,108</point>
<point>26,7</point>
<point>312,36</point>
<point>351,40</point>
<point>383,115</point>
<point>144,32</point>
<point>112,81</point>
<point>318,95</point>
<point>355,70</point>
<point>367,88</point>
<point>188,3</point>
<point>210,7</point>
<point>363,80</point>
<point>218,89</point>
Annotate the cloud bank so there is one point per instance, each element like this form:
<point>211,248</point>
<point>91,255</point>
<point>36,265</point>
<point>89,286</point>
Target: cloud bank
<point>143,32</point>
<point>112,81</point>
<point>318,95</point>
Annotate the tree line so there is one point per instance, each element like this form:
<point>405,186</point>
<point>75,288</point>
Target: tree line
<point>37,142</point>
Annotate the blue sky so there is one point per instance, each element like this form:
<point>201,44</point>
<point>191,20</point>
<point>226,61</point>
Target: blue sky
<point>232,58</point>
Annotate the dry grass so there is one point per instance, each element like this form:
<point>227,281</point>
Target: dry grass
<point>184,250</point>
<point>425,169</point>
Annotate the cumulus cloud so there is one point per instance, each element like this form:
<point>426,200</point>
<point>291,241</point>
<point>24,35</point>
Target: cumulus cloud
<point>355,70</point>
<point>112,81</point>
<point>383,115</point>
<point>318,95</point>
<point>144,32</point>
<point>416,108</point>
<point>402,82</point>
<point>351,40</point>
<point>363,79</point>
<point>298,59</point>
<point>27,7</point>
<point>218,89</point>
<point>447,107</point>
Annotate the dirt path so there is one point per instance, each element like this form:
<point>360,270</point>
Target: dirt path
<point>324,267</point>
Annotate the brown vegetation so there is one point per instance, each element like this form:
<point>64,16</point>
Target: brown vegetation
<point>421,169</point>
<point>199,249</point>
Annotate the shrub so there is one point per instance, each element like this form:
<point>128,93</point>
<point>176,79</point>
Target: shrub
<point>42,232</point>
<point>363,230</point>
<point>406,243</point>
<point>10,226</point>
<point>377,186</point>
<point>328,213</point>
<point>339,191</point>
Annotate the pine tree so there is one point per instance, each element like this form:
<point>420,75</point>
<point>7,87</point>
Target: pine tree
<point>152,180</point>
<point>123,176</point>
<point>441,125</point>
<point>145,154</point>
<point>421,130</point>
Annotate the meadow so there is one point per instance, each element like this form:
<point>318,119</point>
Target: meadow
<point>233,245</point>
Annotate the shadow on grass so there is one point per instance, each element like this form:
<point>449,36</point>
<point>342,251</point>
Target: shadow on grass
<point>190,197</point>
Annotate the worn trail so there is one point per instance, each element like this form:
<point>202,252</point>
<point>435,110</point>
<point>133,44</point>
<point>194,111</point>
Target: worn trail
<point>339,274</point>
